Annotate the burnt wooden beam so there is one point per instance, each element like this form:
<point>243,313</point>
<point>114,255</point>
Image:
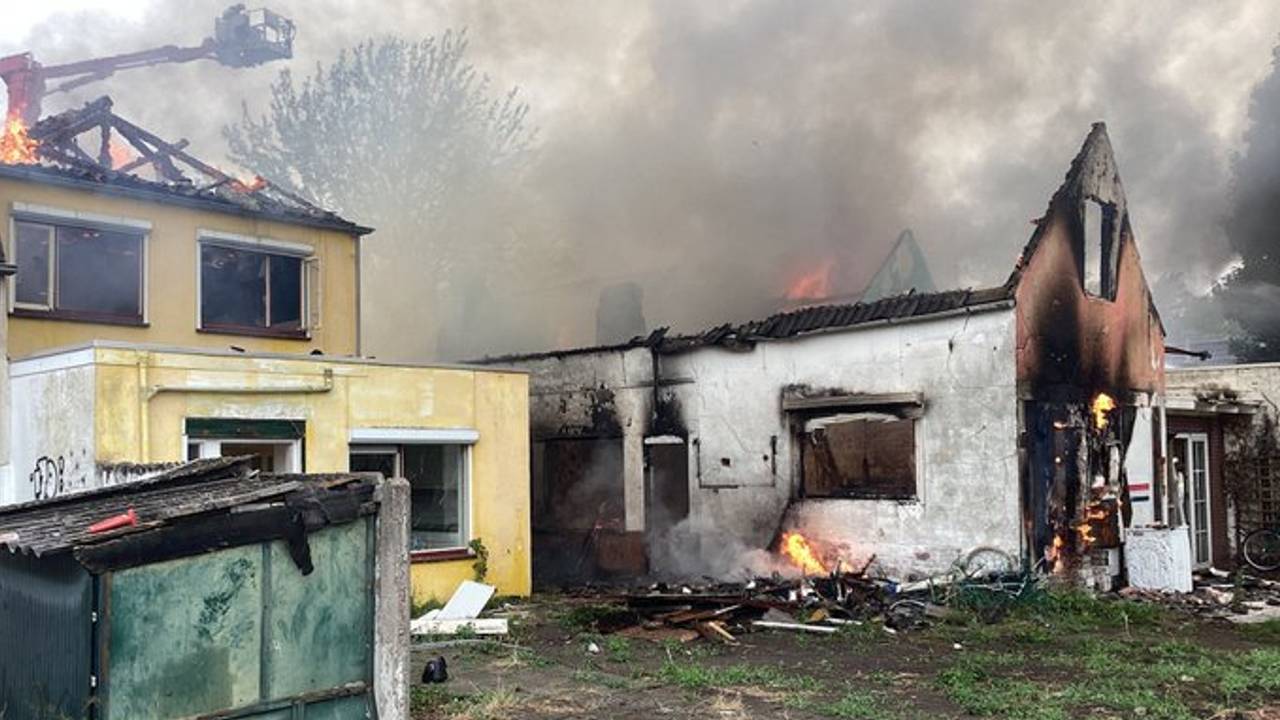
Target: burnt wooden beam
<point>163,165</point>
<point>170,149</point>
<point>104,145</point>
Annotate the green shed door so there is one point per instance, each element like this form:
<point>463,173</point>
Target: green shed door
<point>243,629</point>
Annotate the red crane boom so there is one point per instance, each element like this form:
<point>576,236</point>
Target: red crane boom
<point>241,38</point>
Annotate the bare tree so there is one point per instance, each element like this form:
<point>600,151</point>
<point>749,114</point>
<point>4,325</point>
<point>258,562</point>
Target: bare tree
<point>407,137</point>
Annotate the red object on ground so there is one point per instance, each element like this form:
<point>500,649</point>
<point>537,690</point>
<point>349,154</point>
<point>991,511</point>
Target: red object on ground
<point>125,519</point>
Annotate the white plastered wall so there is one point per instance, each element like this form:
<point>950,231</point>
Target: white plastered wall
<point>52,427</point>
<point>967,455</point>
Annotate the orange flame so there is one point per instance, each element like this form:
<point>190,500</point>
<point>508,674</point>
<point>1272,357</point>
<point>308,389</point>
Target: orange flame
<point>247,186</point>
<point>1094,513</point>
<point>1102,405</point>
<point>16,147</point>
<point>813,285</point>
<point>120,155</point>
<point>801,554</point>
<point>1054,556</point>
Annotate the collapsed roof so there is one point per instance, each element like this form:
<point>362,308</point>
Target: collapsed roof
<point>181,178</point>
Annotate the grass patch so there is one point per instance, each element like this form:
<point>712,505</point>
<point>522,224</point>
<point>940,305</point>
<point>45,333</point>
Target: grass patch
<point>619,649</point>
<point>856,704</point>
<point>1111,675</point>
<point>1079,611</point>
<point>603,679</point>
<point>696,677</point>
<point>978,691</point>
<point>1263,632</point>
<point>866,633</point>
<point>595,618</point>
<point>435,702</point>
<point>1131,696</point>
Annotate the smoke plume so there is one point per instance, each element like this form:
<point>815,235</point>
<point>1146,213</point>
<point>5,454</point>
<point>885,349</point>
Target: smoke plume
<point>710,152</point>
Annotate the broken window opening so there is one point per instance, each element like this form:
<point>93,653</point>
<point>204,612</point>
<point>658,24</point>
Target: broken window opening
<point>251,291</point>
<point>1098,256</point>
<point>870,455</point>
<point>79,273</point>
<point>578,485</point>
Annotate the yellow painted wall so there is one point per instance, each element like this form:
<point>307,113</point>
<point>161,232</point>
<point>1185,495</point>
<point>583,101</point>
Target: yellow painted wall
<point>171,276</point>
<point>129,427</point>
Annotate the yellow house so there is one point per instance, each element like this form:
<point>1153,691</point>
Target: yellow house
<point>152,323</point>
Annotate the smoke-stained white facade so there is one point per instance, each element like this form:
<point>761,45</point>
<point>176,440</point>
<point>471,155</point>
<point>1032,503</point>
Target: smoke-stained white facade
<point>724,408</point>
<point>912,428</point>
<point>966,439</point>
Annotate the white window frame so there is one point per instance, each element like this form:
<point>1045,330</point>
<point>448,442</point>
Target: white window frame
<point>52,217</point>
<point>309,283</point>
<point>376,440</point>
<point>290,461</point>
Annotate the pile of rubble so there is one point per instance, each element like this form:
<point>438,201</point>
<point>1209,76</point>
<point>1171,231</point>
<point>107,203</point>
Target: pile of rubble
<point>1238,597</point>
<point>723,611</point>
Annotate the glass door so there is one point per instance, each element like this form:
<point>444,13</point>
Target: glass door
<point>1191,467</point>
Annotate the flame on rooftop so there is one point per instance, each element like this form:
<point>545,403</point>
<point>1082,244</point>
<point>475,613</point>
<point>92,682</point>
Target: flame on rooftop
<point>16,146</point>
<point>814,284</point>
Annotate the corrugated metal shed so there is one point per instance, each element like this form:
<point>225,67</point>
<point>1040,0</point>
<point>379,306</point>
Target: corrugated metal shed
<point>162,501</point>
<point>235,594</point>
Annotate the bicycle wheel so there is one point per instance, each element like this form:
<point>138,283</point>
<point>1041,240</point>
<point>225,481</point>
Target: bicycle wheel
<point>986,561</point>
<point>1261,549</point>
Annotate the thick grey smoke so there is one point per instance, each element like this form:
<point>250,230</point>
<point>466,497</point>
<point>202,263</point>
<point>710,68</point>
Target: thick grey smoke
<point>697,548</point>
<point>711,152</point>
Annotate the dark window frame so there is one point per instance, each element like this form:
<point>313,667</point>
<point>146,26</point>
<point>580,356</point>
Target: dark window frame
<point>303,258</point>
<point>909,413</point>
<point>52,308</point>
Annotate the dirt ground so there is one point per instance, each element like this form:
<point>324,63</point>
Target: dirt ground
<point>1065,656</point>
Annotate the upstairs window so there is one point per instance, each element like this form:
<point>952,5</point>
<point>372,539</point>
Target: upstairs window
<point>250,291</point>
<point>1099,257</point>
<point>78,273</point>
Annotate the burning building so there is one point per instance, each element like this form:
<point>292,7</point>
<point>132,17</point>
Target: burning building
<point>164,310</point>
<point>909,428</point>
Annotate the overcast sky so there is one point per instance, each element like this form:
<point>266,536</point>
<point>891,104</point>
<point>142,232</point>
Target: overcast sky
<point>763,135</point>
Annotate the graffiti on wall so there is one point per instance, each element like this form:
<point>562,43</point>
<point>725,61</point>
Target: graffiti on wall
<point>48,479</point>
<point>56,475</point>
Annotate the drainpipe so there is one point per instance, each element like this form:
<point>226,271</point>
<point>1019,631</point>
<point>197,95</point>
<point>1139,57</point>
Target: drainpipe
<point>359,300</point>
<point>325,385</point>
<point>144,417</point>
<point>149,393</point>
